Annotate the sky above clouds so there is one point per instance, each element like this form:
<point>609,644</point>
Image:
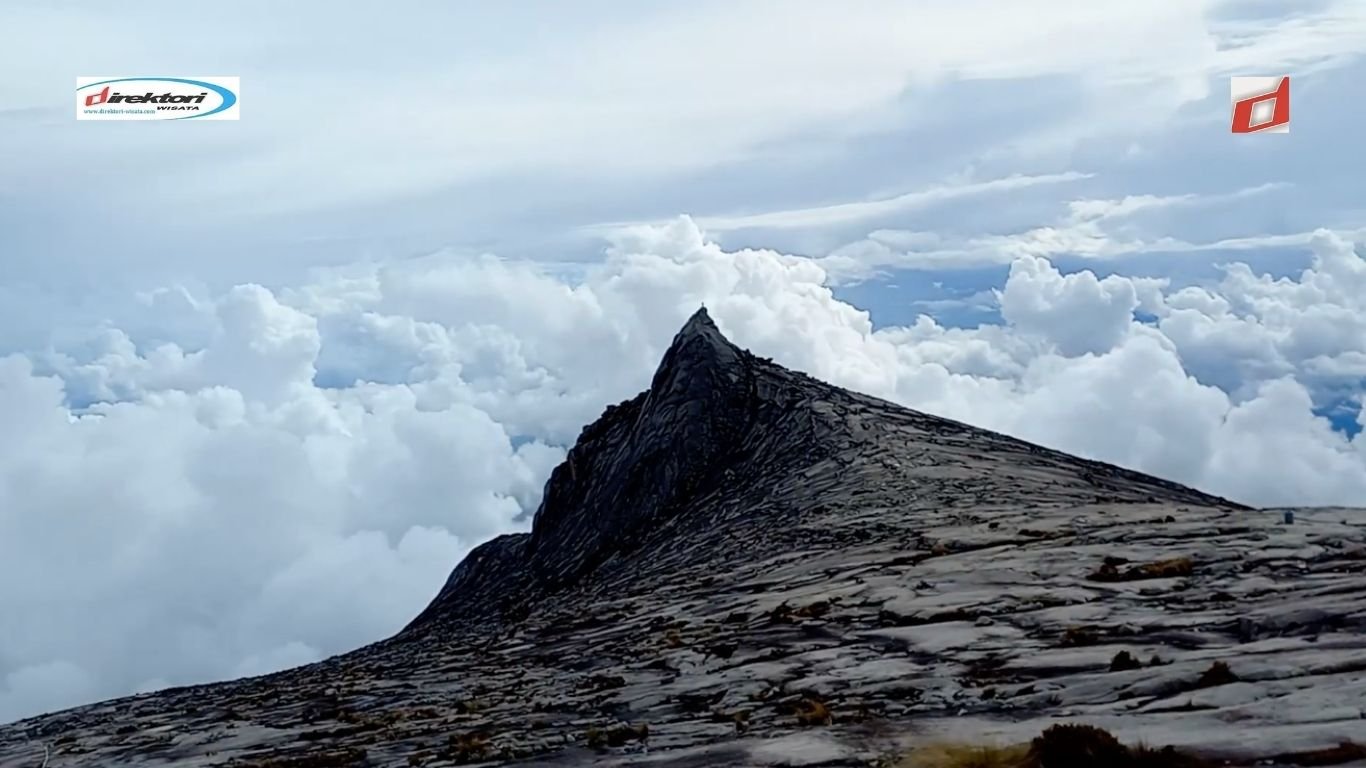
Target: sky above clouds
<point>264,382</point>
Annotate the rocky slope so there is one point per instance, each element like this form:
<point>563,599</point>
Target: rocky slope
<point>745,566</point>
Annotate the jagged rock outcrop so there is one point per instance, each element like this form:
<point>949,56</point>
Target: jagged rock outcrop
<point>644,462</point>
<point>746,566</point>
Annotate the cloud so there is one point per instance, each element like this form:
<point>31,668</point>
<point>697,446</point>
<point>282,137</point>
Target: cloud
<point>216,512</point>
<point>1079,313</point>
<point>628,95</point>
<point>451,132</point>
<point>1252,328</point>
<point>1091,228</point>
<point>1103,229</point>
<point>845,213</point>
<point>1081,211</point>
<point>302,482</point>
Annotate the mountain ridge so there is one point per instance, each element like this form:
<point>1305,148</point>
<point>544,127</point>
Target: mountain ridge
<point>705,392</point>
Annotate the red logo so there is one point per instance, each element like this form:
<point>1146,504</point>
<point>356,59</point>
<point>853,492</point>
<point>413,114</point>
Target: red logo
<point>97,98</point>
<point>1260,104</point>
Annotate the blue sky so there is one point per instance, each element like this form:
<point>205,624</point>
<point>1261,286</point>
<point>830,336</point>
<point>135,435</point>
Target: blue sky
<point>296,365</point>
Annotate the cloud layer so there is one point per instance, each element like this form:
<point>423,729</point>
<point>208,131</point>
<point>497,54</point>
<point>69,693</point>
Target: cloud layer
<point>274,476</point>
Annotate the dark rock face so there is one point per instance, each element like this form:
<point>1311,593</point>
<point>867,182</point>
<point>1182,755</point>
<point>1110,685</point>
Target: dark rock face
<point>746,566</point>
<point>655,459</point>
<point>647,459</point>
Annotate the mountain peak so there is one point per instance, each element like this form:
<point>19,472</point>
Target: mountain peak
<point>721,430</point>
<point>700,322</point>
<point>699,358</point>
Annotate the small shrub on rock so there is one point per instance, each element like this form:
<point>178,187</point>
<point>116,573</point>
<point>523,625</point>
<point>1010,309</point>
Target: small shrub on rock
<point>1217,674</point>
<point>1124,661</point>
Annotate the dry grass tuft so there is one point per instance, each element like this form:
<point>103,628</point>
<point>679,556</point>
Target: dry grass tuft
<point>966,756</point>
<point>1165,569</point>
<point>470,706</point>
<point>813,610</point>
<point>1085,746</point>
<point>812,711</point>
<point>1171,568</point>
<point>740,718</point>
<point>338,758</point>
<point>1059,746</point>
<point>467,748</point>
<point>1346,752</point>
<point>616,736</point>
<point>1167,757</point>
<point>782,614</point>
<point>1078,637</point>
<point>603,682</point>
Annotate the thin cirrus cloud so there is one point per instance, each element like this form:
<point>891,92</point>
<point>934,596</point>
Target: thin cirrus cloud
<point>853,212</point>
<point>1099,229</point>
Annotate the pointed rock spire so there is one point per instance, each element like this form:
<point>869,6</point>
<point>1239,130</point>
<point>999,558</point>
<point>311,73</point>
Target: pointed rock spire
<point>699,359</point>
<point>699,323</point>
<point>639,463</point>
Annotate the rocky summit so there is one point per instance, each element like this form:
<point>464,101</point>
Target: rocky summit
<point>744,566</point>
